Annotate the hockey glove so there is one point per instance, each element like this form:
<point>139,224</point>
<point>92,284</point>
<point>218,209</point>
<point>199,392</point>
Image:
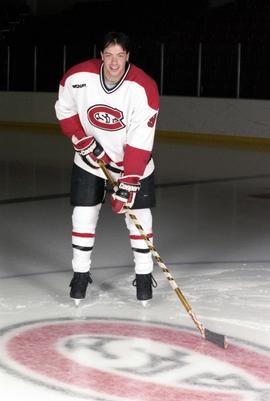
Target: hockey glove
<point>124,196</point>
<point>90,150</point>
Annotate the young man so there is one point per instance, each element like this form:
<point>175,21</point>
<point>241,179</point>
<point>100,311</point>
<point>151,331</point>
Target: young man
<point>108,107</point>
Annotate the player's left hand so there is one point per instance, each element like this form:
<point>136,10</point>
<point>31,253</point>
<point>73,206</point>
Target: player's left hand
<point>124,196</point>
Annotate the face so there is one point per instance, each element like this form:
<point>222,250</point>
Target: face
<point>114,59</point>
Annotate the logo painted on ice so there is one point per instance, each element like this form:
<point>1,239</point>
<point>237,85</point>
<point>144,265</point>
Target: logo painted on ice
<point>125,359</point>
<point>105,117</point>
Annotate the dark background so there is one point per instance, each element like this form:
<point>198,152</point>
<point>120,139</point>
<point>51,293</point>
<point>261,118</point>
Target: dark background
<point>39,40</point>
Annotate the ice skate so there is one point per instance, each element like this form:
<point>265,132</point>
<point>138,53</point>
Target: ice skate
<point>144,284</point>
<point>79,285</point>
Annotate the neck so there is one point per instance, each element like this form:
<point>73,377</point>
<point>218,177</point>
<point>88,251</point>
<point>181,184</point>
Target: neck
<point>111,80</point>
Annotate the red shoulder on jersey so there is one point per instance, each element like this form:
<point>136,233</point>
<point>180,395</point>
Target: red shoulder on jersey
<point>92,65</point>
<point>141,78</point>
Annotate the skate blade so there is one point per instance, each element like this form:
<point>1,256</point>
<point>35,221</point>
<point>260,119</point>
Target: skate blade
<point>144,303</point>
<point>77,301</point>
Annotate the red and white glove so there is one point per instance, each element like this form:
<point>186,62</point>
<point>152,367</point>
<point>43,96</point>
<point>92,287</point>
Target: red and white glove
<point>90,150</point>
<point>124,196</point>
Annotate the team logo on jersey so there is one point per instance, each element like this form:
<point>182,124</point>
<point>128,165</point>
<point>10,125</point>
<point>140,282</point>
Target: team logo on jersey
<point>152,120</point>
<point>105,117</point>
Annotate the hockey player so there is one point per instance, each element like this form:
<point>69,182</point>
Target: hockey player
<point>108,107</point>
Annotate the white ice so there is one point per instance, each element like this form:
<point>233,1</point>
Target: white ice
<point>211,229</point>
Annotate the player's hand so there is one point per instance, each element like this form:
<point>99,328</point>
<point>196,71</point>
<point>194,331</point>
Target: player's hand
<point>90,151</point>
<point>124,196</point>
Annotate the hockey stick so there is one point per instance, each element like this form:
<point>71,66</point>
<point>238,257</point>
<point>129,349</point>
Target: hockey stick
<point>218,339</point>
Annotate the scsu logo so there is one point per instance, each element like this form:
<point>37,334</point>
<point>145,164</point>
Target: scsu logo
<point>118,360</point>
<point>105,117</point>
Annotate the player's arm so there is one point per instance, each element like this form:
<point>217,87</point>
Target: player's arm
<point>66,111</point>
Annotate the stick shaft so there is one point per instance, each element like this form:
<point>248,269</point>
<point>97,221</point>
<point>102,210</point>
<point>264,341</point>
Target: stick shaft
<point>157,257</point>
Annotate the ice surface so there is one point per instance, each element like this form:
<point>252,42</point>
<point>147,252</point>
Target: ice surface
<point>212,235</point>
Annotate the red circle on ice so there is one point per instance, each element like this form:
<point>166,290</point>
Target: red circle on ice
<point>36,347</point>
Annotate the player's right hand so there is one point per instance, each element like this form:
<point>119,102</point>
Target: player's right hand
<point>90,151</point>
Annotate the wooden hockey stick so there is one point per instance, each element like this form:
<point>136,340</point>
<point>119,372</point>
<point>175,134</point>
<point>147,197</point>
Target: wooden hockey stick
<point>218,339</point>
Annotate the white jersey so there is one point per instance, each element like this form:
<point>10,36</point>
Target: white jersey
<point>122,119</point>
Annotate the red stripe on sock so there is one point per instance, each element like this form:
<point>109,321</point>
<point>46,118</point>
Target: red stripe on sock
<point>83,235</point>
<point>140,236</point>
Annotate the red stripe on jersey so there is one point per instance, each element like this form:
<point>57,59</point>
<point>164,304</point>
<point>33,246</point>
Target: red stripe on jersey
<point>140,77</point>
<point>83,235</point>
<point>135,160</point>
<point>72,126</point>
<point>137,237</point>
<point>92,66</point>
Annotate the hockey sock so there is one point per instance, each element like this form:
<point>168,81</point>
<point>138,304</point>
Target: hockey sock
<point>84,221</point>
<point>142,256</point>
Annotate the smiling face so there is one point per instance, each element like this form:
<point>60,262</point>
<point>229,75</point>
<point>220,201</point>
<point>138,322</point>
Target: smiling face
<point>114,58</point>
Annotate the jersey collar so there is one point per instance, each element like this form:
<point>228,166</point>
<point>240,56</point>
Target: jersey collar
<point>102,81</point>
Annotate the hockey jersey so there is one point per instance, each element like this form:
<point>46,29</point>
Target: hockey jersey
<point>121,119</point>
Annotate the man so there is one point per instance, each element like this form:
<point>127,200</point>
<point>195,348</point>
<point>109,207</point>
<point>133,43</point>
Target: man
<point>108,107</point>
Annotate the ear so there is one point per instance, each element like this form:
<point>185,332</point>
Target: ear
<point>101,55</point>
<point>128,56</point>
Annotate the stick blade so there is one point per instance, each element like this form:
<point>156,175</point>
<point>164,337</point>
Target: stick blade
<point>218,339</point>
